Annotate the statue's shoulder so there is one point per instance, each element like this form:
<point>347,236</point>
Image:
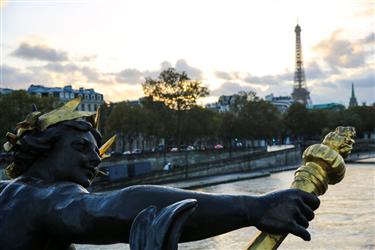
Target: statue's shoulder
<point>32,187</point>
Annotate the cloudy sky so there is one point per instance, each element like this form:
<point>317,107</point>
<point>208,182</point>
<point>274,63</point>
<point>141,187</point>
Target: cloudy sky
<point>230,45</point>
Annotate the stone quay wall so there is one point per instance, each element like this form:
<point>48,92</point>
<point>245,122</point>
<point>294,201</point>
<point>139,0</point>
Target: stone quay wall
<point>248,162</point>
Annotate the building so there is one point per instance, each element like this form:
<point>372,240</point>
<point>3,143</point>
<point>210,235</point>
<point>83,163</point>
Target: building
<point>300,93</point>
<point>224,103</point>
<point>282,103</point>
<point>4,91</point>
<point>213,106</point>
<point>91,100</point>
<point>327,106</point>
<point>353,100</point>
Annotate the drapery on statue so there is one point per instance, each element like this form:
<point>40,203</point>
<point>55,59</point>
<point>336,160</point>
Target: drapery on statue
<point>46,204</point>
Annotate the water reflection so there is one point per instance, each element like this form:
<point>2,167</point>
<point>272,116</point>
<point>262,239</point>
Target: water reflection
<point>345,219</point>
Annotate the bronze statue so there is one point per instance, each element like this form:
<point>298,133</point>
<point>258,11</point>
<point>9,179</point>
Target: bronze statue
<point>46,204</point>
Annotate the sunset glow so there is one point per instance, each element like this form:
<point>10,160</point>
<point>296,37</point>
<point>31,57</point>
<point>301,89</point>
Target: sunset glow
<point>229,45</point>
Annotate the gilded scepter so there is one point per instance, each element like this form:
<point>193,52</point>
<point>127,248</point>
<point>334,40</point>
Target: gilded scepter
<point>322,164</point>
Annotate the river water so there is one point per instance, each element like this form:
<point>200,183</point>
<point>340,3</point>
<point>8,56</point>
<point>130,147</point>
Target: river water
<point>344,220</point>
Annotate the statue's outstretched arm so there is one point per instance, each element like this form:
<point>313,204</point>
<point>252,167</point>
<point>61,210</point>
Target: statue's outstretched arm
<point>106,218</point>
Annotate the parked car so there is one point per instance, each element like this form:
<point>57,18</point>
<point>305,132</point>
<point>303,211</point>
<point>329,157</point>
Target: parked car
<point>126,152</point>
<point>174,149</point>
<point>137,151</point>
<point>190,148</point>
<point>218,146</point>
<point>114,154</point>
<point>159,148</point>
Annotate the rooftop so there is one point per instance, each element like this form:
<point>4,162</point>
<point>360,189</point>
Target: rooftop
<point>68,88</point>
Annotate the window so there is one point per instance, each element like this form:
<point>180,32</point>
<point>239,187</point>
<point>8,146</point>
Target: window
<point>61,95</point>
<point>86,96</point>
<point>92,97</point>
<point>99,97</point>
<point>71,95</point>
<point>83,107</point>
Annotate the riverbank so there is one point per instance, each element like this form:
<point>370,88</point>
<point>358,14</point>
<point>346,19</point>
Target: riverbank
<point>227,178</point>
<point>252,165</point>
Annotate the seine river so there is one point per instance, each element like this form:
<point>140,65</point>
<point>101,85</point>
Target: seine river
<point>345,219</point>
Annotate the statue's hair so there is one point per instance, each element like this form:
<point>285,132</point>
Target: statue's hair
<point>36,144</point>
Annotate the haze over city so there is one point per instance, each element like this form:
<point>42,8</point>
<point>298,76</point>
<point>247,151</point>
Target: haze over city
<point>230,46</point>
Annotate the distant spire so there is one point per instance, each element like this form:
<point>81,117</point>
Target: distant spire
<point>353,100</point>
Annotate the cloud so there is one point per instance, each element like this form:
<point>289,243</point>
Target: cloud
<point>62,68</point>
<point>314,71</point>
<point>130,76</point>
<point>234,75</point>
<point>68,72</point>
<point>370,39</point>
<point>223,75</point>
<point>338,52</point>
<point>230,88</point>
<point>88,58</point>
<point>324,84</point>
<point>265,80</point>
<point>366,80</point>
<point>20,78</point>
<point>165,65</point>
<point>368,12</point>
<point>193,73</point>
<point>92,74</point>
<point>136,76</point>
<point>39,52</point>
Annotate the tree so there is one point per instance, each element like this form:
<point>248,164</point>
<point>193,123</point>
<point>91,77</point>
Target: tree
<point>177,91</point>
<point>200,125</point>
<point>297,121</point>
<point>259,120</point>
<point>360,117</point>
<point>15,106</point>
<point>242,98</point>
<point>230,127</point>
<point>158,123</point>
<point>105,110</point>
<point>127,121</point>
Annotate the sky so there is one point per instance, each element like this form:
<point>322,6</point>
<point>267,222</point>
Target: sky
<point>229,45</point>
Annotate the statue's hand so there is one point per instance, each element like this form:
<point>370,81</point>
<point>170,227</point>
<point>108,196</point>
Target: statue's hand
<point>287,211</point>
<point>341,140</point>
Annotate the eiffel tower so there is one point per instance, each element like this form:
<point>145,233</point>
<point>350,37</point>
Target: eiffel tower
<point>300,93</point>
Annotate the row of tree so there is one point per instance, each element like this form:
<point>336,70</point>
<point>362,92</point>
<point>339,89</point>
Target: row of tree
<point>254,121</point>
<point>170,111</point>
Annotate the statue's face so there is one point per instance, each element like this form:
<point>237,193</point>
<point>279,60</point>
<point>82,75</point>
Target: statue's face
<point>75,157</point>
